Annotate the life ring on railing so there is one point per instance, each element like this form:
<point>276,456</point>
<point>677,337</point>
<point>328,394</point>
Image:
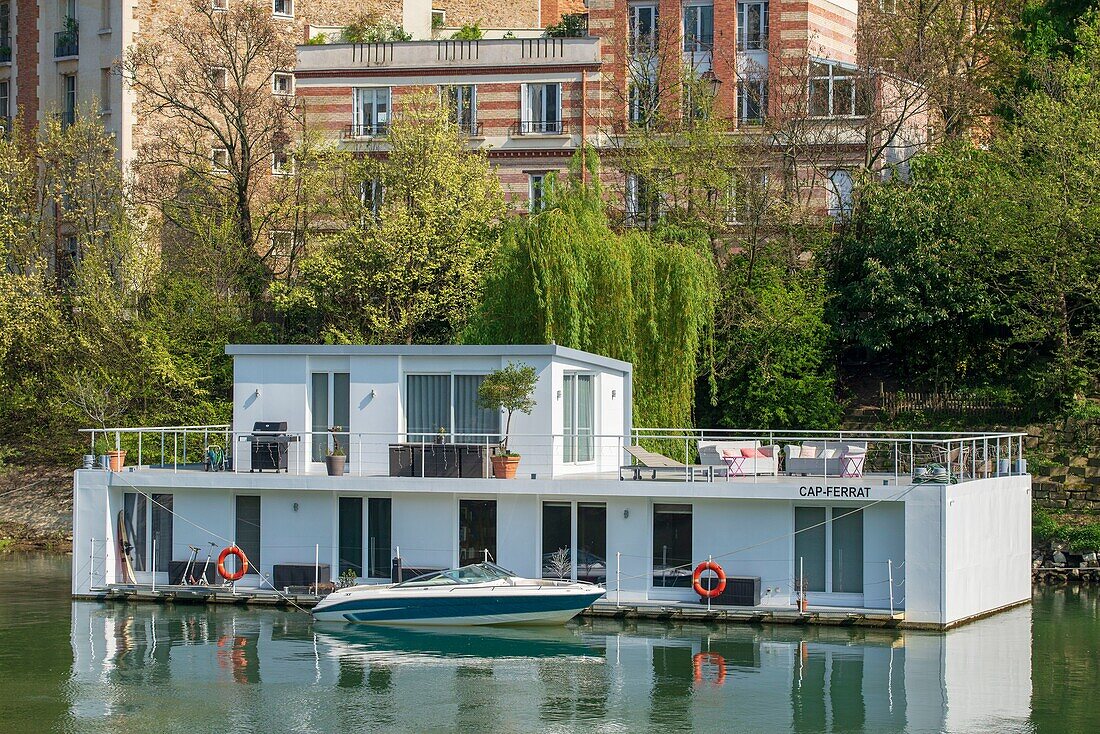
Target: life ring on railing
<point>241,571</point>
<point>695,578</point>
<point>699,659</point>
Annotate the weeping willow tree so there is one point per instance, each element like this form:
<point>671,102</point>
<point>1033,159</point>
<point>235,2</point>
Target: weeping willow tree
<point>564,276</point>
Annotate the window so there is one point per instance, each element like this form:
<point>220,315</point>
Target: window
<point>351,535</point>
<point>477,531</point>
<point>68,99</point>
<point>282,163</point>
<point>557,540</point>
<point>105,89</point>
<point>461,103</point>
<point>379,537</point>
<point>833,90</point>
<point>672,545</point>
<point>219,76</point>
<point>372,195</point>
<point>643,100</point>
<point>330,407</point>
<point>747,196</point>
<point>592,542</point>
<point>589,563</point>
<point>536,183</point>
<point>69,256</point>
<point>439,18</point>
<point>698,28</point>
<point>578,407</point>
<point>642,20</point>
<point>840,192</point>
<point>284,8</point>
<point>248,529</point>
<point>752,100</point>
<point>448,402</point>
<point>752,26</point>
<point>5,99</point>
<point>5,28</point>
<point>219,160</point>
<point>282,83</point>
<point>828,549</point>
<point>371,112</point>
<point>643,201</point>
<point>136,517</point>
<point>282,252</point>
<point>220,4</point>
<point>541,109</point>
<point>162,531</point>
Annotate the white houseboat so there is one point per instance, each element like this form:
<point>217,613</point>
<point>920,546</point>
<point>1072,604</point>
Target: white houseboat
<point>930,529</point>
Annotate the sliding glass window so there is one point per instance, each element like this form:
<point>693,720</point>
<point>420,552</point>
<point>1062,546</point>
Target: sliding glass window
<point>162,531</point>
<point>477,531</point>
<point>136,516</point>
<point>672,545</point>
<point>828,548</point>
<point>248,530</point>
<point>579,409</point>
<point>447,404</point>
<point>351,535</point>
<point>330,405</point>
<point>592,542</point>
<point>379,537</point>
<point>809,546</point>
<point>557,533</point>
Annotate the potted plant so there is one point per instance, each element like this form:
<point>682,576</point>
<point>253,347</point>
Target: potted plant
<point>508,389</point>
<point>335,461</point>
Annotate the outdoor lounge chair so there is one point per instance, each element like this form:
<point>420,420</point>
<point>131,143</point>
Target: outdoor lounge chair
<point>653,463</point>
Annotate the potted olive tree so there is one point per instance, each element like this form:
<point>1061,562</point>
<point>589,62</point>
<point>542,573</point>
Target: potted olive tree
<point>336,460</point>
<point>508,389</point>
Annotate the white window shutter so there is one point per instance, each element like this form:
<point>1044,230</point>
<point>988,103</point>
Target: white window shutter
<point>524,113</point>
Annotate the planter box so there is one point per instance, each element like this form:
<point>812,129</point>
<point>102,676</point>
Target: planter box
<point>401,460</point>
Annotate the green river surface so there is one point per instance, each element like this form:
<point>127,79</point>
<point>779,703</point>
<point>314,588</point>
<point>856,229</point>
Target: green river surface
<point>78,666</point>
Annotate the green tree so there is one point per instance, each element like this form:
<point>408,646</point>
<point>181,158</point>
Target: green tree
<point>422,227</point>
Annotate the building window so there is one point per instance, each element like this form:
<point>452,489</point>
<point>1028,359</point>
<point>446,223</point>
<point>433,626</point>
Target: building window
<point>747,196</point>
<point>541,113</point>
<point>371,111</point>
<point>643,101</point>
<point>672,545</point>
<point>282,162</point>
<point>283,8</point>
<point>557,540</point>
<point>448,403</point>
<point>248,530</point>
<point>350,536</point>
<point>592,542</point>
<point>698,28</point>
<point>219,77</point>
<point>752,100</point>
<point>833,90</point>
<point>461,103</point>
<point>136,516</point>
<point>162,531</point>
<point>589,563</point>
<point>828,549</point>
<point>105,89</point>
<point>68,99</point>
<point>5,100</point>
<point>372,194</point>
<point>840,192</point>
<point>68,258</point>
<point>752,26</point>
<point>643,201</point>
<point>379,536</point>
<point>578,404</point>
<point>439,18</point>
<point>282,83</point>
<point>330,407</point>
<point>642,20</point>
<point>220,4</point>
<point>219,160</point>
<point>477,531</point>
<point>536,190</point>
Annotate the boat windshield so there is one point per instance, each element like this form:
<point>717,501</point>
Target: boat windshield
<point>477,573</point>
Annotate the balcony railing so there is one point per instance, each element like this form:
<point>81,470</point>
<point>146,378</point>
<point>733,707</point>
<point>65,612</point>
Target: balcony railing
<point>758,42</point>
<point>539,127</point>
<point>470,129</point>
<point>698,44</point>
<point>374,130</point>
<point>66,43</point>
<point>886,458</point>
<point>5,49</point>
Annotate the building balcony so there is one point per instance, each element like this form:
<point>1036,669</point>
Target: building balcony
<point>370,130</point>
<point>66,43</point>
<point>5,50</point>
<point>539,127</point>
<point>416,56</point>
<point>823,459</point>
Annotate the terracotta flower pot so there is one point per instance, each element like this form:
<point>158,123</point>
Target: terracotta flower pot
<point>335,465</point>
<point>504,467</point>
<point>116,460</point>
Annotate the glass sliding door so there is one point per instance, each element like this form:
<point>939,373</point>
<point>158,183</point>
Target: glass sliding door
<point>136,513</point>
<point>477,531</point>
<point>592,542</point>
<point>578,418</point>
<point>672,545</point>
<point>473,424</point>
<point>330,407</point>
<point>351,535</point>
<point>557,533</point>
<point>162,531</point>
<point>428,406</point>
<point>248,529</point>
<point>829,544</point>
<point>847,555</point>
<point>379,535</point>
<point>319,411</point>
<point>809,546</point>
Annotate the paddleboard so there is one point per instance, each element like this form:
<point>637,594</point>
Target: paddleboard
<point>125,549</point>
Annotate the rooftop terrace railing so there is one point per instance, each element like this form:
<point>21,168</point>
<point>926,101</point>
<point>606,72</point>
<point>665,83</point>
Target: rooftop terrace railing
<point>894,456</point>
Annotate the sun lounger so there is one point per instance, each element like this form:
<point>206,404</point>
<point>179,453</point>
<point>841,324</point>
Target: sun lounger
<point>653,463</point>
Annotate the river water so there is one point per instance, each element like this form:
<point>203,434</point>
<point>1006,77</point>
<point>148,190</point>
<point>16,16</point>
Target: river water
<point>93,667</point>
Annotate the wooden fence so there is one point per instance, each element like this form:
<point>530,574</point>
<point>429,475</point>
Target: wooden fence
<point>893,404</point>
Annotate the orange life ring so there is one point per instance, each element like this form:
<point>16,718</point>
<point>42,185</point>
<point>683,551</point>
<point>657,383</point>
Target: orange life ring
<point>695,577</point>
<point>699,659</point>
<point>240,572</point>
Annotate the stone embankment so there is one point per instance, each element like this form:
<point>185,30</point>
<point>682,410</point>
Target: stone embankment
<point>1053,563</point>
<point>36,509</point>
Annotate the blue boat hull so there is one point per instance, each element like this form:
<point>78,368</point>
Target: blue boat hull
<point>478,609</point>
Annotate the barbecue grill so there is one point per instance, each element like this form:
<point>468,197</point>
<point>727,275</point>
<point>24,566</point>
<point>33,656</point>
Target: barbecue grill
<point>270,445</point>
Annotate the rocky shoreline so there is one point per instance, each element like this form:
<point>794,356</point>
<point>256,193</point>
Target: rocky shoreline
<point>36,509</point>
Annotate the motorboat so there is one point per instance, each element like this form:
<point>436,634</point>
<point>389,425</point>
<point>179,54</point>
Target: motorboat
<point>478,594</point>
